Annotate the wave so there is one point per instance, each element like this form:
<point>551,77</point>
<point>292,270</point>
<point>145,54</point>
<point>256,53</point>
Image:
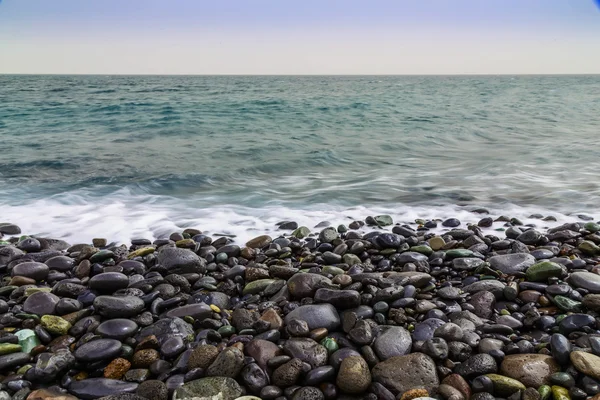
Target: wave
<point>125,215</point>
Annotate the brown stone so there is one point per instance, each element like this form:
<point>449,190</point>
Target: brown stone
<point>149,342</point>
<point>459,383</point>
<point>532,370</point>
<point>202,356</point>
<point>272,317</point>
<point>239,346</point>
<point>117,368</point>
<point>47,394</point>
<point>248,253</point>
<point>262,351</point>
<point>318,334</point>
<point>354,376</point>
<point>21,281</point>
<point>586,363</point>
<point>342,280</point>
<point>83,269</point>
<point>259,242</point>
<point>414,394</point>
<point>404,373</point>
<point>145,358</point>
<point>254,274</point>
<point>529,296</point>
<point>61,342</point>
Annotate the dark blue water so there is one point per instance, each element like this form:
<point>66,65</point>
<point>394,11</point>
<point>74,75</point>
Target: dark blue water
<point>140,156</point>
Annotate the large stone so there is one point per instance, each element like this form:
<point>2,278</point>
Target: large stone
<point>533,370</point>
<point>228,363</point>
<point>41,303</point>
<point>211,388</point>
<point>403,373</point>
<point>586,280</point>
<point>511,264</point>
<point>392,341</point>
<point>489,285</point>
<point>96,350</point>
<point>306,284</point>
<point>31,269</point>
<point>306,350</point>
<point>340,299</point>
<point>316,316</point>
<point>262,351</point>
<point>541,271</point>
<point>166,327</point>
<point>586,363</point>
<point>505,386</point>
<point>354,376</point>
<point>118,307</point>
<point>93,388</point>
<point>180,261</point>
<point>476,365</point>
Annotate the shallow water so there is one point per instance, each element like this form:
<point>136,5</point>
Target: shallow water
<point>123,157</point>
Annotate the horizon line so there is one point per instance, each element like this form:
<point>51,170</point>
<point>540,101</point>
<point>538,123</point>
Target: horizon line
<point>302,75</point>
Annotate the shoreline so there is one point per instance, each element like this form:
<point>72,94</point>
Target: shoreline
<point>451,309</point>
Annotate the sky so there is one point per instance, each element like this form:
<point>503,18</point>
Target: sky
<point>299,37</point>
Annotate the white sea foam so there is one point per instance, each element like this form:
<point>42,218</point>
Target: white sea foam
<point>123,216</point>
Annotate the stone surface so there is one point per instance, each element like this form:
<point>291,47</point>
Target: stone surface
<point>403,373</point>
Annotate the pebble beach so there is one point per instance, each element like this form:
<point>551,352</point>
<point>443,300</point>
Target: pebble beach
<point>489,308</point>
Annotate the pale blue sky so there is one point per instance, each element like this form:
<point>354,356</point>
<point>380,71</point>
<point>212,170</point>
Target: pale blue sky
<point>299,37</point>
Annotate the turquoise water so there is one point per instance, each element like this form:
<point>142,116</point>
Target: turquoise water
<point>140,156</point>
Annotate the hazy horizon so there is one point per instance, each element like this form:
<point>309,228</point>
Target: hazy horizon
<point>266,37</point>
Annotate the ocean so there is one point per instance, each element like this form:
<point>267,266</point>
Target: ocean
<point>125,157</point>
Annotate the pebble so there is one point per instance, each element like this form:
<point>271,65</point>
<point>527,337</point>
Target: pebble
<point>335,314</point>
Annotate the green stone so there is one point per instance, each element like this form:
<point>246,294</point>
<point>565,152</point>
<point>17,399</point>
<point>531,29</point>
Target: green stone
<point>588,248</point>
<point>7,348</point>
<point>301,232</point>
<point>226,330</point>
<point>387,252</point>
<point>330,344</point>
<point>383,220</point>
<point>144,251</point>
<point>505,386</point>
<point>351,259</point>
<point>342,229</point>
<point>30,291</point>
<point>101,255</point>
<point>55,325</point>
<point>126,351</point>
<point>5,291</point>
<point>419,221</point>
<point>27,316</point>
<point>566,304</point>
<point>459,253</point>
<point>504,311</point>
<point>221,258</point>
<point>592,227</point>
<point>329,269</point>
<point>185,243</point>
<point>23,369</point>
<point>560,393</point>
<point>257,286</point>
<point>541,271</point>
<point>27,339</point>
<point>561,378</point>
<point>545,391</point>
<point>422,249</point>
